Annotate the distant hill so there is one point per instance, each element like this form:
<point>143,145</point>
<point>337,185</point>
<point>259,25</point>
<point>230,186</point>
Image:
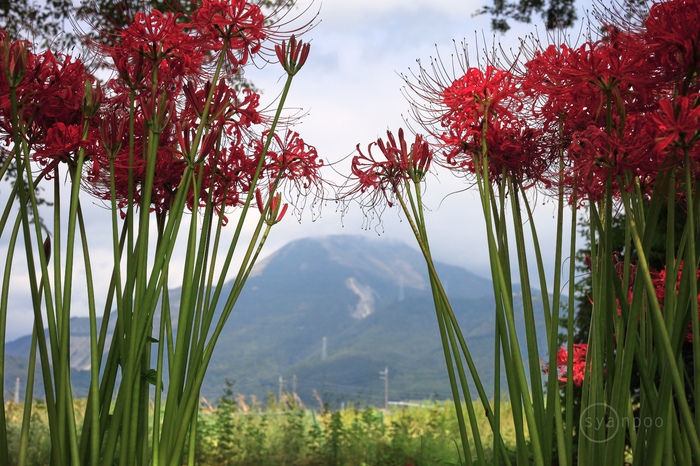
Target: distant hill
<point>371,301</point>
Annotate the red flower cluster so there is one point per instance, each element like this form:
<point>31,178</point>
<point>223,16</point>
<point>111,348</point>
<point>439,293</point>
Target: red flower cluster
<point>49,93</point>
<point>579,360</point>
<point>161,100</point>
<point>374,179</point>
<point>579,363</point>
<point>620,109</point>
<point>659,280</point>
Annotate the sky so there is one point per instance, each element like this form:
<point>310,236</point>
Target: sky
<point>351,89</point>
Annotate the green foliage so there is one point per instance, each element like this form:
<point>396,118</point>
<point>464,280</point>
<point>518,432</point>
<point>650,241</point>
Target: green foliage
<point>555,13</point>
<point>237,434</point>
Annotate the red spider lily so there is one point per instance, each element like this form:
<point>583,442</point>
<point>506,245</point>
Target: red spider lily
<point>220,100</point>
<point>228,175</point>
<point>679,121</point>
<point>239,22</point>
<point>157,36</point>
<point>154,45</point>
<point>246,110</point>
<point>552,100</point>
<point>414,161</point>
<point>579,363</point>
<point>132,68</point>
<point>238,113</point>
<point>672,41</point>
<point>292,58</point>
<point>168,171</point>
<point>380,178</point>
<point>61,143</point>
<point>293,159</point>
<point>482,109</point>
<point>51,92</point>
<point>477,95</point>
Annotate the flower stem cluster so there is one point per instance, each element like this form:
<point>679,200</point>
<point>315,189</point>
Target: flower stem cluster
<point>171,132</point>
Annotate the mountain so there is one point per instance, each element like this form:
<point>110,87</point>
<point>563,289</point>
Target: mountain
<point>368,299</point>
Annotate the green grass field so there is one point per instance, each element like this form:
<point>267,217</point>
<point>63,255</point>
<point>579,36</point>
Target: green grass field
<point>247,432</point>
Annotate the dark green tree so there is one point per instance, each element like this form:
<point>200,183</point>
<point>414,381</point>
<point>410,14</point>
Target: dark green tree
<point>555,13</point>
<point>45,23</point>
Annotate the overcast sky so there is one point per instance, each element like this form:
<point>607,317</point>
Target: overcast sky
<point>353,92</point>
<point>351,89</point>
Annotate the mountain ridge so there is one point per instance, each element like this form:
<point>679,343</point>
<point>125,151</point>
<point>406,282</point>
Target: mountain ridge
<point>370,298</point>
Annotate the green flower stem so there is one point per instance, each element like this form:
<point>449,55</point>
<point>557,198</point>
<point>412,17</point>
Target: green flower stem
<point>662,338</point>
<point>94,356</point>
<point>692,259</point>
<point>570,332</point>
<point>445,324</point>
<point>28,399</point>
<point>500,298</point>
<point>3,169</point>
<point>4,451</point>
<point>497,270</point>
<point>232,298</point>
<point>230,302</point>
<point>209,311</point>
<point>10,204</point>
<point>204,317</point>
<point>164,317</point>
<point>22,166</point>
<point>63,370</point>
<point>451,375</point>
<point>553,405</point>
<point>54,320</point>
<point>530,327</point>
<point>192,391</point>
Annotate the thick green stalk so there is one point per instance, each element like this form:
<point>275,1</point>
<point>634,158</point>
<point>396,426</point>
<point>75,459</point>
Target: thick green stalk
<point>497,270</point>
<point>446,332</point>
<point>4,449</point>
<point>164,317</point>
<point>28,399</point>
<point>530,326</point>
<point>570,334</point>
<point>23,168</point>
<point>63,371</point>
<point>692,259</point>
<point>94,356</point>
<point>192,388</point>
<point>662,338</point>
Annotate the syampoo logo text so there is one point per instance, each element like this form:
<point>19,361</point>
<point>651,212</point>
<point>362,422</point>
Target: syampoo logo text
<point>600,422</point>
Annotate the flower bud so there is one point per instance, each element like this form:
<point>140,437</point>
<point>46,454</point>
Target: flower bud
<point>259,201</point>
<point>112,132</point>
<point>92,98</point>
<point>292,56</point>
<point>275,214</point>
<point>14,61</point>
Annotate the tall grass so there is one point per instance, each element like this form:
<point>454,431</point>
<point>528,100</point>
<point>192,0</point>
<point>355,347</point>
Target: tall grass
<point>236,433</point>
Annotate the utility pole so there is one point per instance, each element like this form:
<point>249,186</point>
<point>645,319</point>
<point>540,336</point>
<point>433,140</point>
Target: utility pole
<point>16,398</point>
<point>323,349</point>
<point>294,386</point>
<point>385,375</point>
<point>279,399</point>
